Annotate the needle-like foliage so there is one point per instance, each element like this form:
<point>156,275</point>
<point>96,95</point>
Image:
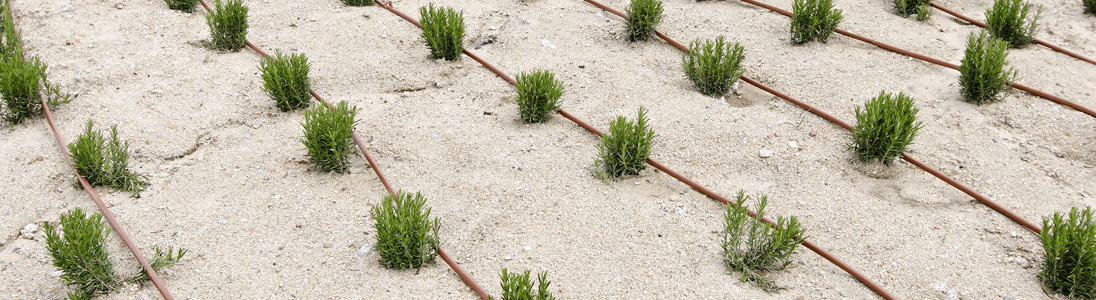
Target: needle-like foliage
<point>327,135</point>
<point>538,95</point>
<point>79,250</point>
<point>1069,264</point>
<point>228,25</point>
<point>713,67</point>
<point>182,5</point>
<point>1012,21</point>
<point>885,128</point>
<point>520,287</point>
<point>643,16</point>
<point>105,162</point>
<point>443,30</point>
<point>814,20</point>
<point>22,84</point>
<point>359,2</point>
<point>406,237</point>
<point>624,151</point>
<point>982,73</point>
<point>751,247</point>
<point>11,43</point>
<point>1090,6</point>
<point>920,8</point>
<point>285,79</point>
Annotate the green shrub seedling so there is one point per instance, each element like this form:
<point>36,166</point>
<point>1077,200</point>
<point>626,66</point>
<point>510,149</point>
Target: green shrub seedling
<point>982,74</point>
<point>643,16</point>
<point>1012,21</point>
<point>443,30</point>
<point>714,67</point>
<point>814,20</point>
<point>751,246</point>
<point>406,237</point>
<point>920,8</point>
<point>327,136</point>
<point>228,25</point>
<point>538,95</point>
<point>624,151</point>
<point>105,162</point>
<point>359,2</point>
<point>285,79</point>
<point>1090,6</point>
<point>519,287</point>
<point>20,84</point>
<point>885,128</point>
<point>1069,264</point>
<point>182,5</point>
<point>11,43</point>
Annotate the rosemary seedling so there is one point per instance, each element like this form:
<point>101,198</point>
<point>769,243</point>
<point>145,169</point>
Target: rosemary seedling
<point>1090,6</point>
<point>182,5</point>
<point>11,43</point>
<point>20,84</point>
<point>1069,264</point>
<point>885,128</point>
<point>160,259</point>
<point>643,16</point>
<point>538,95</point>
<point>443,30</point>
<point>520,287</point>
<point>752,247</point>
<point>919,9</point>
<point>982,73</point>
<point>79,250</point>
<point>714,67</point>
<point>624,151</point>
<point>105,162</point>
<point>1012,21</point>
<point>406,237</point>
<point>285,79</point>
<point>228,25</point>
<point>814,20</point>
<point>359,2</point>
<point>327,136</point>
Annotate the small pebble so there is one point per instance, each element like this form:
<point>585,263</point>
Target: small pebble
<point>679,211</point>
<point>30,228</point>
<point>365,249</point>
<point>507,257</point>
<point>793,145</point>
<point>56,273</point>
<point>765,153</point>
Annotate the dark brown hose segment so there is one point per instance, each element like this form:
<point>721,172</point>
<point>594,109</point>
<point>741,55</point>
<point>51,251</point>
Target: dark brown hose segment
<point>806,106</point>
<point>463,276</point>
<point>1037,41</point>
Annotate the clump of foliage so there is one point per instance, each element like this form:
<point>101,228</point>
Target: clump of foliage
<point>1012,21</point>
<point>643,16</point>
<point>814,20</point>
<point>359,2</point>
<point>406,237</point>
<point>519,287</point>
<point>443,29</point>
<point>538,95</point>
<point>105,162</point>
<point>885,128</point>
<point>79,251</point>
<point>715,66</point>
<point>11,43</point>
<point>1090,6</point>
<point>327,136</point>
<point>285,79</point>
<point>182,5</point>
<point>982,73</point>
<point>624,151</point>
<point>228,25</point>
<point>22,82</point>
<point>1069,264</point>
<point>920,8</point>
<point>751,247</point>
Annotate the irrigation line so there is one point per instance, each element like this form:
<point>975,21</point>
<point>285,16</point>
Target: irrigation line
<point>1037,41</point>
<point>117,226</point>
<point>384,181</point>
<point>821,252</point>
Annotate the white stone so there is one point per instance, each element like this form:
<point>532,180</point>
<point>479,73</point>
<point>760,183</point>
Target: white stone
<point>765,153</point>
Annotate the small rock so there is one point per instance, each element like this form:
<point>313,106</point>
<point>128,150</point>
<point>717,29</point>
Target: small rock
<point>527,248</point>
<point>120,5</point>
<point>793,145</point>
<point>679,211</point>
<point>814,132</point>
<point>56,273</point>
<point>507,257</point>
<point>207,58</point>
<point>439,84</point>
<point>484,40</point>
<point>952,294</point>
<point>546,43</point>
<point>365,249</point>
<point>71,41</point>
<point>802,262</point>
<point>30,228</point>
<point>939,286</point>
<point>19,250</point>
<point>765,153</point>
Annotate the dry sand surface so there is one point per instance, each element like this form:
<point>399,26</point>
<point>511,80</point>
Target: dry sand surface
<point>230,181</point>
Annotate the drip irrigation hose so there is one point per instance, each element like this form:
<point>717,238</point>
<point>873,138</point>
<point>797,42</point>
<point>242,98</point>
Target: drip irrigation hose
<point>1037,41</point>
<point>935,61</point>
<point>821,252</point>
<point>117,226</point>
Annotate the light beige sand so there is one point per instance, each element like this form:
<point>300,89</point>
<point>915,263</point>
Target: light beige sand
<point>230,181</point>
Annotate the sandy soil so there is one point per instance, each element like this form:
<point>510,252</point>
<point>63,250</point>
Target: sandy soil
<point>230,181</point>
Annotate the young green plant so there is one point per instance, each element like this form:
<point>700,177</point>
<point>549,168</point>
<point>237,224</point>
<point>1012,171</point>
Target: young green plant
<point>1012,21</point>
<point>625,149</point>
<point>406,237</point>
<point>643,16</point>
<point>105,162</point>
<point>1090,6</point>
<point>520,287</point>
<point>285,79</point>
<point>752,247</point>
<point>918,8</point>
<point>885,128</point>
<point>359,2</point>
<point>714,67</point>
<point>982,73</point>
<point>1069,262</point>
<point>11,43</point>
<point>538,95</point>
<point>814,20</point>
<point>228,25</point>
<point>443,30</point>
<point>327,136</point>
<point>182,5</point>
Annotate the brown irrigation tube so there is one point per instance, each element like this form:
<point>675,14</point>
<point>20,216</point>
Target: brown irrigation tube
<point>1037,41</point>
<point>160,286</point>
<point>821,252</point>
<point>935,61</point>
<point>384,181</point>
